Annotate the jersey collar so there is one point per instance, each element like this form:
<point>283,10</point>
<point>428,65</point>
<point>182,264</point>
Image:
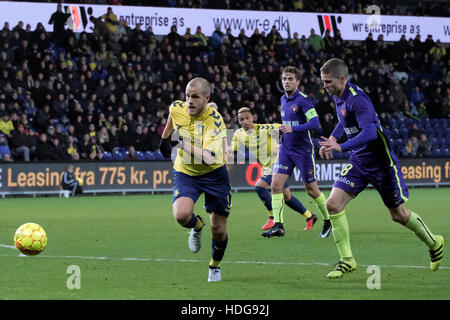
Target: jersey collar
<point>295,95</point>
<point>344,95</point>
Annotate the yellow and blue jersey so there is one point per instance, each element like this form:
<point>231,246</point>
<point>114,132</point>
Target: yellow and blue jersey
<point>259,142</point>
<point>207,131</point>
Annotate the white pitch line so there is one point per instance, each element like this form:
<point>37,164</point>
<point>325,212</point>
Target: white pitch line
<point>204,261</point>
<point>7,246</point>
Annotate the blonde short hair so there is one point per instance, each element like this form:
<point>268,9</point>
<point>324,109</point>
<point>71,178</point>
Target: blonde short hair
<point>244,109</point>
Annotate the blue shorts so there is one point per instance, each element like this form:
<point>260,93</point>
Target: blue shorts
<point>267,177</point>
<point>388,181</point>
<point>215,185</point>
<point>304,160</point>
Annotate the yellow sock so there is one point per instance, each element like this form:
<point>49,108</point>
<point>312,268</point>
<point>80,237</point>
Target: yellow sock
<point>199,224</point>
<point>321,203</point>
<point>271,214</point>
<point>278,206</point>
<point>307,214</point>
<point>215,264</point>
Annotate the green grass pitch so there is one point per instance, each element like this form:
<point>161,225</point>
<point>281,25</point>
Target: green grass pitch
<point>130,247</point>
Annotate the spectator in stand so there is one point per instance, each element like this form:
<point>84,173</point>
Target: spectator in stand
<point>57,151</point>
<point>22,144</point>
<point>217,37</point>
<point>417,96</point>
<point>151,138</point>
<point>110,20</point>
<point>43,148</point>
<point>6,125</point>
<point>5,152</point>
<point>126,137</point>
<point>315,41</point>
<point>411,148</point>
<point>399,95</point>
<point>96,150</point>
<point>71,148</point>
<point>438,51</point>
<point>422,110</point>
<point>415,131</point>
<point>59,19</point>
<point>85,147</point>
<point>327,124</point>
<point>131,154</point>
<point>424,148</point>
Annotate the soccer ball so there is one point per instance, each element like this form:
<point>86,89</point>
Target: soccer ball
<point>30,238</point>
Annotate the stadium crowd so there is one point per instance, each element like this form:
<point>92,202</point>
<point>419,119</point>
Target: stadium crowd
<point>67,96</point>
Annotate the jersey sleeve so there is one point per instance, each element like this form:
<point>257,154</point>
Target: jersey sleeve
<point>268,126</point>
<point>363,110</point>
<point>308,109</point>
<point>176,109</point>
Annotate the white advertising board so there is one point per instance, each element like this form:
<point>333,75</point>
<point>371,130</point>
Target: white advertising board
<point>351,26</point>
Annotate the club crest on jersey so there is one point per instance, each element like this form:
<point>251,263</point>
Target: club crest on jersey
<point>343,111</point>
<point>200,129</point>
<point>294,108</point>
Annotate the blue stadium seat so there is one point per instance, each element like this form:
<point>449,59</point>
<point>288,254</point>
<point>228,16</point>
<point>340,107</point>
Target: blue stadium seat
<point>140,155</point>
<point>433,140</point>
<point>391,141</point>
<point>425,122</point>
<point>108,156</point>
<point>445,152</point>
<point>119,155</point>
<point>443,123</point>
<point>430,131</point>
<point>398,142</point>
<point>395,133</point>
<point>442,142</point>
<point>387,132</point>
<point>408,122</point>
<point>392,123</point>
<point>404,132</point>
<point>159,155</point>
<point>436,152</point>
<point>434,123</point>
<point>148,155</point>
<point>153,155</point>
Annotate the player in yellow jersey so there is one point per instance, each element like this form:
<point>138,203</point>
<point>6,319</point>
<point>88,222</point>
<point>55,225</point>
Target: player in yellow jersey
<point>258,140</point>
<point>200,168</point>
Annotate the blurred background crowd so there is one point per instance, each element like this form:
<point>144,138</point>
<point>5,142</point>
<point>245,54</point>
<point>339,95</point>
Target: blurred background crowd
<point>68,96</point>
